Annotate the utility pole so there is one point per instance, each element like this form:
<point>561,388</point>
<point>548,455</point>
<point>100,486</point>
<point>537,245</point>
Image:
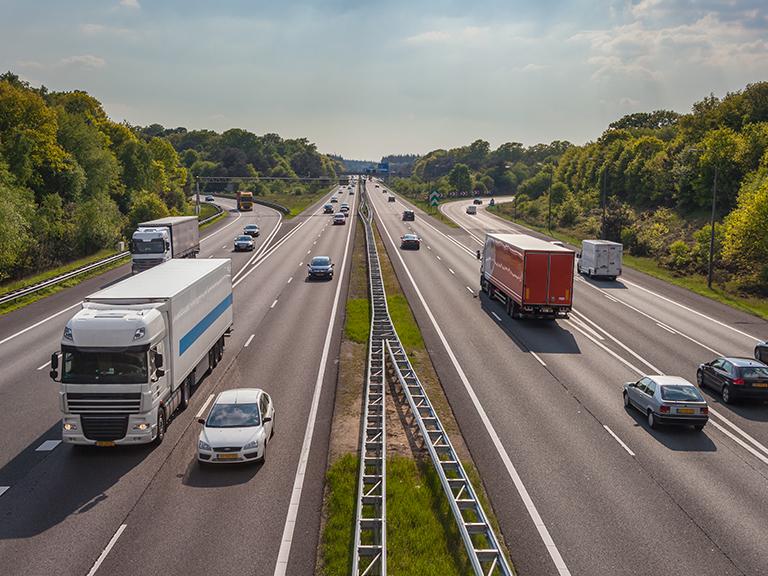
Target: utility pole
<point>197,196</point>
<point>604,202</point>
<point>549,215</point>
<point>710,265</point>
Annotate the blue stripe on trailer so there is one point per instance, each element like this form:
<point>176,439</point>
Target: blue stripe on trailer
<point>190,337</point>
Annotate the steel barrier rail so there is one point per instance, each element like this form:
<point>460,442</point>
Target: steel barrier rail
<point>10,296</point>
<point>370,556</point>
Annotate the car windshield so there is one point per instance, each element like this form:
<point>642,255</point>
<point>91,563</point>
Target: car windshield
<point>109,367</point>
<point>154,246</point>
<point>320,261</point>
<point>410,237</point>
<point>233,416</point>
<point>681,393</point>
<point>753,372</point>
<point>243,239</point>
<point>251,227</point>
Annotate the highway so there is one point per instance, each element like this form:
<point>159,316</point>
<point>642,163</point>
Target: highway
<point>154,510</point>
<point>579,484</point>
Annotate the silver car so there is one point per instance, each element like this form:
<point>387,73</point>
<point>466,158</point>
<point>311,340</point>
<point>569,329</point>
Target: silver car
<point>667,400</point>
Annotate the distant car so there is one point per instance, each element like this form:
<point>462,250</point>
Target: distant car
<point>391,198</point>
<point>334,200</point>
<point>209,198</point>
<point>320,267</point>
<point>735,378</point>
<point>471,209</point>
<point>328,209</point>
<point>409,215</point>
<point>761,352</point>
<point>477,201</point>
<point>238,427</point>
<point>375,185</point>
<point>667,400</point>
<point>339,218</point>
<point>244,242</point>
<point>344,207</point>
<point>251,230</point>
<point>410,242</point>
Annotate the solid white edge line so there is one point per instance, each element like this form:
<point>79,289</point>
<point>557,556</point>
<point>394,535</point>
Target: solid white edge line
<point>611,298</point>
<point>530,507</point>
<point>248,342</point>
<point>274,303</point>
<point>496,316</point>
<point>4,489</point>
<point>106,550</point>
<point>575,320</point>
<point>293,509</point>
<point>740,442</point>
<point>216,232</point>
<point>762,447</point>
<point>261,249</point>
<point>204,406</point>
<point>290,280</point>
<point>619,440</point>
<point>604,347</point>
<point>438,257</point>
<point>470,290</point>
<point>660,325</point>
<point>451,271</point>
<point>48,445</point>
<point>537,358</point>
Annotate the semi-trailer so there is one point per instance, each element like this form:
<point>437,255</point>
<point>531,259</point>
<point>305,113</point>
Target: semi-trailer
<point>132,355</point>
<point>533,278</point>
<point>158,241</point>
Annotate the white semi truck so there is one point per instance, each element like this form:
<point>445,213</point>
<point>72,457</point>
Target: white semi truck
<point>158,241</point>
<point>132,355</point>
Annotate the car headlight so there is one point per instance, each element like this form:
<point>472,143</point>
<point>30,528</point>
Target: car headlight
<point>203,445</point>
<point>253,444</point>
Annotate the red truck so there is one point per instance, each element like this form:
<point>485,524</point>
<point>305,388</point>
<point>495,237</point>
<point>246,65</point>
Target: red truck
<point>534,278</point>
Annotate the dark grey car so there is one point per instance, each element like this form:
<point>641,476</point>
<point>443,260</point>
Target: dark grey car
<point>320,267</point>
<point>667,400</point>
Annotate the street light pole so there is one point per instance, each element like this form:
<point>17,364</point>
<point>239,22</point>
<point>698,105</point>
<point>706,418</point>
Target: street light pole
<point>197,196</point>
<point>549,215</point>
<point>604,202</point>
<point>712,233</point>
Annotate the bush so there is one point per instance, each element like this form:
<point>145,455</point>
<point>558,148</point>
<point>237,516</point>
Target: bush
<point>679,257</point>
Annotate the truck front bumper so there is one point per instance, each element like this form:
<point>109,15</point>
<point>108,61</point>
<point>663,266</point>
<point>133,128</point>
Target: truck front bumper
<point>108,430</point>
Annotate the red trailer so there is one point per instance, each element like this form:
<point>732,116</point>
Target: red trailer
<point>534,278</point>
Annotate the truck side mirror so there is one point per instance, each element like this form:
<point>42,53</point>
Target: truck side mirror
<point>54,361</point>
<point>158,360</point>
<point>167,245</point>
<point>478,254</point>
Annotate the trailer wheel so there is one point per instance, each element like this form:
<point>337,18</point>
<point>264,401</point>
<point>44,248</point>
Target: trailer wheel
<point>221,350</point>
<point>160,427</point>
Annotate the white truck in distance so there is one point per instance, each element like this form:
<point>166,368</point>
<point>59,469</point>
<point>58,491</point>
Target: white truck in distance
<point>158,241</point>
<point>600,259</point>
<point>132,355</point>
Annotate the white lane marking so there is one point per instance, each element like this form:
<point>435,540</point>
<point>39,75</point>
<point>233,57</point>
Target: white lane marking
<point>739,441</point>
<point>248,342</point>
<point>215,232</point>
<point>290,280</point>
<point>224,246</point>
<point>293,509</point>
<point>429,247</point>
<point>537,358</point>
<point>47,363</point>
<point>48,445</point>
<point>204,406</point>
<point>530,507</point>
<point>495,315</point>
<point>274,303</point>
<point>36,324</point>
<point>611,298</point>
<point>718,322</point>
<point>471,291</point>
<point>451,271</point>
<point>301,263</point>
<point>106,550</point>
<point>713,412</point>
<point>315,242</point>
<point>667,328</point>
<point>604,347</point>
<point>261,249</point>
<point>587,328</point>
<point>4,489</point>
<point>308,251</point>
<point>439,258</point>
<point>212,256</point>
<point>619,440</point>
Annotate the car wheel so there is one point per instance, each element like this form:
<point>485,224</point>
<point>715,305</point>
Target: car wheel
<point>651,420</point>
<point>160,427</point>
<point>264,454</point>
<point>699,378</point>
<point>627,402</point>
<point>726,394</point>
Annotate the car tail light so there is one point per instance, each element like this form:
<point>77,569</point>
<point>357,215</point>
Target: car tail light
<point>704,410</point>
<point>738,381</point>
<point>664,409</point>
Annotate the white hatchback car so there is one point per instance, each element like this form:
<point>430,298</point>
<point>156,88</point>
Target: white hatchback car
<point>239,426</point>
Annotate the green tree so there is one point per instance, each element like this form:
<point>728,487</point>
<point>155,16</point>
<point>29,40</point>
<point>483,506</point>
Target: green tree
<point>146,206</point>
<point>460,179</point>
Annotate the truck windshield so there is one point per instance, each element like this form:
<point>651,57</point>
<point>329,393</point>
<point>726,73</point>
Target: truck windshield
<point>80,367</point>
<point>154,246</point>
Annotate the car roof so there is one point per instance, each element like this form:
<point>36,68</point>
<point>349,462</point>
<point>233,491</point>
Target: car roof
<point>251,225</point>
<point>243,236</point>
<point>239,396</point>
<point>323,257</point>
<point>411,236</point>
<point>738,361</point>
<point>664,380</point>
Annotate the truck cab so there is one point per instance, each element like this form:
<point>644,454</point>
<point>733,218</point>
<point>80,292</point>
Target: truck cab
<point>150,247</point>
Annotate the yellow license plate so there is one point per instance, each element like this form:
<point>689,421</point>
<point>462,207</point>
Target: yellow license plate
<point>760,385</point>
<point>228,456</point>
<point>685,410</point>
<point>105,443</point>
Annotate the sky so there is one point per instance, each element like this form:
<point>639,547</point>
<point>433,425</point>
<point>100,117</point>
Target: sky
<point>364,79</point>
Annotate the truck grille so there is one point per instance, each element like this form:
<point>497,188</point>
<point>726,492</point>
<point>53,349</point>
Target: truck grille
<point>98,427</point>
<point>146,264</point>
<point>87,403</point>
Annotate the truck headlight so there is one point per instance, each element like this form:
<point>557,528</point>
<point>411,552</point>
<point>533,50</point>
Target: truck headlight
<point>67,333</point>
<point>139,334</point>
<point>252,445</point>
<point>142,426</point>
<point>203,445</point>
<point>69,426</point>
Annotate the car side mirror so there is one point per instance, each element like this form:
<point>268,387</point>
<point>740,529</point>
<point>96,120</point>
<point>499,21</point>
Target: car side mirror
<point>158,360</point>
<point>267,419</point>
<point>201,420</point>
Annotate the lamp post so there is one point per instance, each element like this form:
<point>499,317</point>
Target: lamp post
<point>710,264</point>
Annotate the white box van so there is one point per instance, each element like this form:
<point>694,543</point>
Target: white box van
<point>471,209</point>
<point>600,259</point>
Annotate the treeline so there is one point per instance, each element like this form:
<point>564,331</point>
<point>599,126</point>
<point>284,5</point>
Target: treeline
<point>654,175</point>
<point>73,182</point>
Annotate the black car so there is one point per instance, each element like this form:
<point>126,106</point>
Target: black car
<point>409,215</point>
<point>410,242</point>
<point>391,199</point>
<point>735,378</point>
<point>251,230</point>
<point>477,201</point>
<point>320,267</point>
<point>328,209</point>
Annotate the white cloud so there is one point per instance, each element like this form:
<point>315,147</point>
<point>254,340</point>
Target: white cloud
<point>428,37</point>
<point>130,4</point>
<point>458,36</point>
<point>533,67</point>
<point>92,29</point>
<point>628,102</point>
<point>30,64</point>
<point>85,61</point>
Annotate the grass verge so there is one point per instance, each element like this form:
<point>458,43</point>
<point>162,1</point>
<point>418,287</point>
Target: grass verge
<point>695,283</point>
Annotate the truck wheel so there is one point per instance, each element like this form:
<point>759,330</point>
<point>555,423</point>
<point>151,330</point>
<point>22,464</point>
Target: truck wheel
<point>160,427</point>
<point>185,393</point>
<point>220,350</point>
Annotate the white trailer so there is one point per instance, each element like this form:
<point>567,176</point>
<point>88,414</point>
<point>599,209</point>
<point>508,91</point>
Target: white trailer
<point>600,259</point>
<point>132,355</point>
<point>158,241</point>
